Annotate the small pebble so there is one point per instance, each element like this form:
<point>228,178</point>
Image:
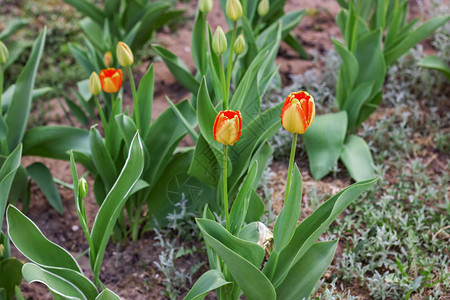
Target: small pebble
<point>75,228</point>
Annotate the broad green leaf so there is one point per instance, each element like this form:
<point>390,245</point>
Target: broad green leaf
<point>241,203</point>
<point>82,58</point>
<point>324,140</point>
<point>287,220</point>
<point>10,275</point>
<point>355,101</point>
<point>434,62</point>
<point>357,158</point>
<point>208,282</point>
<point>20,189</point>
<point>250,232</point>
<point>107,294</point>
<point>369,107</point>
<point>30,241</point>
<point>178,69</point>
<point>88,9</point>
<point>44,179</point>
<point>187,125</point>
<point>236,254</point>
<point>414,37</point>
<point>77,112</point>
<point>257,208</point>
<point>204,164</point>
<point>9,93</point>
<point>102,159</point>
<point>296,45</point>
<point>16,48</point>
<point>7,174</point>
<point>304,275</point>
<point>127,128</point>
<point>55,141</point>
<point>114,202</point>
<point>95,34</point>
<point>312,227</point>
<point>62,287</point>
<point>145,100</point>
<point>12,27</point>
<point>199,54</point>
<point>19,110</point>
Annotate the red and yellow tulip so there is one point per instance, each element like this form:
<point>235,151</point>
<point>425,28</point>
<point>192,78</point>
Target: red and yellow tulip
<point>111,80</point>
<point>228,127</point>
<point>298,112</point>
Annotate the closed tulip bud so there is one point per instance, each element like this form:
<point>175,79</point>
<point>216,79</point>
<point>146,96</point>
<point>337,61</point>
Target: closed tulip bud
<point>298,112</point>
<point>124,55</point>
<point>219,42</point>
<point>83,188</point>
<point>111,80</point>
<point>239,46</point>
<point>4,53</point>
<point>95,87</point>
<point>233,9</point>
<point>107,59</point>
<point>2,250</point>
<point>205,6</point>
<point>227,127</point>
<point>263,7</point>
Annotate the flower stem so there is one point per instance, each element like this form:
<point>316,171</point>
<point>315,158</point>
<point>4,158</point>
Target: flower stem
<point>102,115</point>
<point>291,163</point>
<point>135,98</point>
<point>225,189</point>
<point>223,83</point>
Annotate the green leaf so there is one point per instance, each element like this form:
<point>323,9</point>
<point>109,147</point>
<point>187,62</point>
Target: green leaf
<point>357,158</point>
<point>88,9</point>
<point>434,62</point>
<point>199,54</point>
<point>107,294</point>
<point>258,207</point>
<point>77,112</point>
<point>414,37</point>
<point>82,57</point>
<point>312,227</point>
<point>16,48</point>
<point>304,275</point>
<point>12,27</point>
<point>19,110</point>
<point>204,164</point>
<point>187,125</point>
<point>7,174</point>
<point>10,276</point>
<point>287,220</point>
<point>30,241</point>
<point>355,101</point>
<point>241,203</point>
<point>250,232</point>
<point>114,202</point>
<point>102,159</point>
<point>62,287</point>
<point>209,281</point>
<point>297,46</point>
<point>9,93</point>
<point>324,140</point>
<point>55,141</point>
<point>20,189</point>
<point>44,179</point>
<point>145,100</point>
<point>178,69</point>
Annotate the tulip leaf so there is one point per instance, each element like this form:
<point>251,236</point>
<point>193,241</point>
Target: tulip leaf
<point>19,110</point>
<point>242,258</point>
<point>324,141</point>
<point>88,9</point>
<point>357,158</point>
<point>10,276</point>
<point>199,54</point>
<point>145,100</point>
<point>7,174</point>
<point>113,204</point>
<point>312,227</point>
<point>348,72</point>
<point>434,62</point>
<point>107,294</point>
<point>9,93</point>
<point>44,179</point>
<point>187,125</point>
<point>296,45</point>
<point>30,241</point>
<point>102,159</point>
<point>209,281</point>
<point>302,278</point>
<point>204,164</point>
<point>258,207</point>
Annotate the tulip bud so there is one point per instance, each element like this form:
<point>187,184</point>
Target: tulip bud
<point>95,87</point>
<point>205,6</point>
<point>227,127</point>
<point>263,7</point>
<point>107,59</point>
<point>239,45</point>
<point>124,55</point>
<point>4,53</point>
<point>265,237</point>
<point>2,250</point>
<point>298,112</point>
<point>219,43</point>
<point>233,9</point>
<point>111,80</point>
<point>83,188</point>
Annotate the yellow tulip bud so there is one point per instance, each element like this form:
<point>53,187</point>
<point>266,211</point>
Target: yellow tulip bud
<point>205,6</point>
<point>95,86</point>
<point>219,43</point>
<point>124,55</point>
<point>2,250</point>
<point>233,9</point>
<point>239,46</point>
<point>263,7</point>
<point>107,59</point>
<point>83,188</point>
<point>4,53</point>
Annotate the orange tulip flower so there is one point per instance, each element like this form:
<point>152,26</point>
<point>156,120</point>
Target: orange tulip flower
<point>107,59</point>
<point>111,80</point>
<point>228,127</point>
<point>298,112</point>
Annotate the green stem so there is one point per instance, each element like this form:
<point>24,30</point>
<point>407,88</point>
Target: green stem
<point>230,59</point>
<point>135,98</point>
<point>225,187</point>
<point>102,115</point>
<point>291,163</point>
<point>224,85</point>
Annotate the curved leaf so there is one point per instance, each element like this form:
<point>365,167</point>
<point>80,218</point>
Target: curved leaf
<point>357,158</point>
<point>10,275</point>
<point>209,281</point>
<point>7,175</point>
<point>107,294</point>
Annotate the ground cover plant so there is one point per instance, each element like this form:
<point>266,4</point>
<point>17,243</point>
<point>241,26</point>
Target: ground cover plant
<point>182,198</point>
